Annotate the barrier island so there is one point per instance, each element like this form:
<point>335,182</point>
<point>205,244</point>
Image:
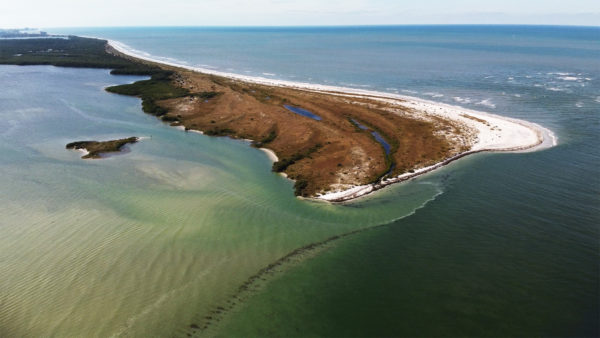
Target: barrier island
<point>335,143</point>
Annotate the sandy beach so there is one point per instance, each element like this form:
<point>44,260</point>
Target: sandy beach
<point>494,134</point>
<point>488,132</point>
<point>271,154</point>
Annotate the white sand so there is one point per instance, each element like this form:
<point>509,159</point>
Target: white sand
<point>271,154</point>
<point>494,133</point>
<point>497,133</point>
<point>84,151</point>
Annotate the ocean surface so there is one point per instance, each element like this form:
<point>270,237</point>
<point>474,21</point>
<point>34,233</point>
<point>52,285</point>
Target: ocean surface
<point>165,239</point>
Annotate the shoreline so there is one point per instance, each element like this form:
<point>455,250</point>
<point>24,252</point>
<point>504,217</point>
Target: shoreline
<point>494,133</point>
<point>271,154</point>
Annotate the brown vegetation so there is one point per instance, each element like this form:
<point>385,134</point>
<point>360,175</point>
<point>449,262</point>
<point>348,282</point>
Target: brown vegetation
<point>321,156</point>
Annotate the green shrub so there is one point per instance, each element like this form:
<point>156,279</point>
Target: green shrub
<point>300,186</point>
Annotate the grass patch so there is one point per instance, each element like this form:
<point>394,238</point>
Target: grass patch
<point>300,187</point>
<point>72,52</point>
<point>219,132</point>
<point>284,163</point>
<point>159,87</point>
<point>92,53</point>
<point>267,139</point>
<point>206,95</point>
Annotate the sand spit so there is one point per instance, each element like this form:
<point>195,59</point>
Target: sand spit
<point>494,133</point>
<point>491,133</point>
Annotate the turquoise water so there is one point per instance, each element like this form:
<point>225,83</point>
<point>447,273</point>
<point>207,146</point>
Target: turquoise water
<point>152,241</point>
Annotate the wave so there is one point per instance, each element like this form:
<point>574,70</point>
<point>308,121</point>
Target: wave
<point>487,103</point>
<point>462,99</point>
<point>569,78</point>
<point>355,85</point>
<point>206,66</point>
<point>557,89</point>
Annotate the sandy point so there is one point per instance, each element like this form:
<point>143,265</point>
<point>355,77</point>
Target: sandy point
<point>271,154</point>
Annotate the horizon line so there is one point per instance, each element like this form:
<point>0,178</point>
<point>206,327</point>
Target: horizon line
<point>318,26</point>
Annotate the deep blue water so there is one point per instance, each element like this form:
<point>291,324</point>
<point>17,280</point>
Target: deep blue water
<point>511,247</point>
<point>382,141</point>
<point>376,136</point>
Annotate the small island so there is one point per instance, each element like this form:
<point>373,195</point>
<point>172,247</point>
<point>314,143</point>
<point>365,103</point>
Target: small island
<point>95,149</point>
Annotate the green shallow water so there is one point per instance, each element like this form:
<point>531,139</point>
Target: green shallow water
<point>521,264</point>
<point>152,241</point>
<point>146,242</point>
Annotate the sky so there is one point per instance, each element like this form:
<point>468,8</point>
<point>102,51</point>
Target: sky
<point>87,13</point>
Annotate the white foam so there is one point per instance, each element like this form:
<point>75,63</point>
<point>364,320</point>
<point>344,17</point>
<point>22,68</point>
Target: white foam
<point>487,103</point>
<point>355,85</point>
<point>461,99</point>
<point>207,66</point>
<point>433,94</point>
<point>568,78</point>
